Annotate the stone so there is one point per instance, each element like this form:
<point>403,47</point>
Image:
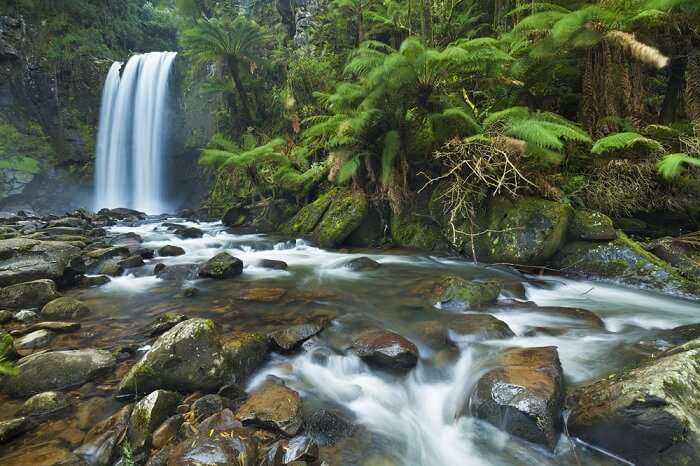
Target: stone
<point>222,265</point>
<point>164,322</point>
<point>5,316</point>
<point>233,392</point>
<point>275,407</point>
<point>28,294</point>
<point>111,268</point>
<point>208,405</point>
<point>362,263</point>
<point>524,395</point>
<point>301,449</point>
<point>475,327</point>
<point>34,340</point>
<point>148,414</point>
<point>131,262</point>
<point>64,308</point>
<point>646,415</point>
<point>167,431</point>
<point>97,255</point>
<point>263,295</point>
<point>13,428</point>
<point>101,443</point>
<point>170,250</point>
<point>273,264</point>
<point>235,447</point>
<point>589,225</point>
<point>177,272</point>
<point>45,404</point>
<point>291,338</point>
<point>678,255</point>
<point>188,357</point>
<point>184,231</point>
<point>386,350</point>
<point>235,216</point>
<point>220,422</point>
<point>7,346</point>
<point>327,427</point>
<point>129,240</point>
<point>121,213</point>
<point>25,316</point>
<point>190,292</point>
<point>245,353</point>
<point>457,293</point>
<point>95,280</point>
<point>55,326</point>
<point>57,370</point>
<point>25,260</point>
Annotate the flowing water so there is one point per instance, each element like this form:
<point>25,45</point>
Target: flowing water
<point>133,134</point>
<point>411,420</point>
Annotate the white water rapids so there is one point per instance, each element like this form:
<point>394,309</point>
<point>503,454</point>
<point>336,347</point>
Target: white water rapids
<point>133,134</point>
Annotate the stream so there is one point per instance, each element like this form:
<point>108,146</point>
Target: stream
<point>409,420</point>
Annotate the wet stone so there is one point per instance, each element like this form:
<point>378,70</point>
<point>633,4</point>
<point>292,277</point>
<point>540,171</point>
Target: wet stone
<point>148,414</point>
<point>208,405</point>
<point>292,337</point>
<point>170,250</point>
<point>275,407</point>
<point>273,264</point>
<point>111,268</point>
<point>458,293</point>
<point>5,316</point>
<point>26,316</point>
<point>165,322</point>
<point>132,262</point>
<point>264,295</point>
<point>54,326</point>
<point>95,280</point>
<point>101,443</point>
<point>167,431</point>
<point>28,294</point>
<point>222,265</point>
<point>13,428</point>
<point>64,308</point>
<point>34,340</point>
<point>45,404</point>
<point>362,263</point>
<point>385,350</point>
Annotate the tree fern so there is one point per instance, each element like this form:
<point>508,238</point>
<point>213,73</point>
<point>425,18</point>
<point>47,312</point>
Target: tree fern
<point>673,165</point>
<point>392,146</point>
<point>624,141</point>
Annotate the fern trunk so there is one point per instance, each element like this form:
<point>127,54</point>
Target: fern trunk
<point>240,89</point>
<point>426,22</point>
<point>673,96</point>
<point>692,87</point>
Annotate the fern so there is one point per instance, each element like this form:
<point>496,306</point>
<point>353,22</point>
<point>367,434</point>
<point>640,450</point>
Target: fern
<point>624,141</point>
<point>392,145</point>
<point>347,170</point>
<point>504,115</point>
<point>672,165</point>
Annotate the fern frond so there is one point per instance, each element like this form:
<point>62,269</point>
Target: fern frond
<point>672,165</point>
<point>505,115</point>
<point>624,141</point>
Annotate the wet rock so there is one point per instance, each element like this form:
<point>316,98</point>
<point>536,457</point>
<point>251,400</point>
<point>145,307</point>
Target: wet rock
<point>121,213</point>
<point>131,262</point>
<point>245,352</point>
<point>458,293</point>
<point>663,340</point>
<point>7,346</point>
<point>220,422</point>
<point>292,337</point>
<point>646,415</point>
<point>145,253</point>
<point>64,308</point>
<point>578,317</point>
<point>167,431</point>
<point>111,268</point>
<point>57,370</point>
<point>222,265</point>
<point>5,316</point>
<point>589,225</point>
<point>477,327</point>
<point>165,322</point>
<point>46,404</point>
<point>24,260</point>
<point>208,405</point>
<point>236,447</point>
<point>233,392</point>
<point>362,263</point>
<point>55,326</point>
<point>170,250</point>
<point>385,350</point>
<point>327,427</point>
<point>235,216</point>
<point>101,444</point>
<point>263,295</point>
<point>34,340</point>
<point>183,231</point>
<point>148,414</point>
<point>301,449</point>
<point>273,264</point>
<point>25,316</point>
<point>523,395</point>
<point>13,428</point>
<point>678,255</point>
<point>188,357</point>
<point>102,254</point>
<point>129,240</point>
<point>95,280</point>
<point>275,407</point>
<point>190,292</point>
<point>177,272</point>
<point>29,294</point>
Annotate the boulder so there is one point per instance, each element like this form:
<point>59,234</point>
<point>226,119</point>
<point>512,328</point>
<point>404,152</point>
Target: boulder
<point>274,407</point>
<point>183,231</point>
<point>111,268</point>
<point>222,265</point>
<point>208,405</point>
<point>57,370</point>
<point>188,357</point>
<point>386,350</point>
<point>457,293</point>
<point>523,395</point>
<point>234,447</point>
<point>12,428</point>
<point>164,322</point>
<point>327,427</point>
<point>121,213</point>
<point>28,294</point>
<point>131,262</point>
<point>148,414</point>
<point>273,264</point>
<point>64,308</point>
<point>46,404</point>
<point>235,216</point>
<point>625,262</point>
<point>101,444</point>
<point>362,263</point>
<point>292,337</point>
<point>128,240</point>
<point>244,352</point>
<point>177,272</point>
<point>95,280</point>
<point>685,260</point>
<point>167,431</point>
<point>34,340</point>
<point>169,250</point>
<point>477,327</point>
<point>589,225</point>
<point>646,415</point>
<point>23,260</point>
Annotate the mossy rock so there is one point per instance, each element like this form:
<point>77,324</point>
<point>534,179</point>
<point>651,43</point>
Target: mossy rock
<point>244,352</point>
<point>64,308</point>
<point>304,222</point>
<point>7,347</point>
<point>589,225</point>
<point>456,292</point>
<point>626,262</point>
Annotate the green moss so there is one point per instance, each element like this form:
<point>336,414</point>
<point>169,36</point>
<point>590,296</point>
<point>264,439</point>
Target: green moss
<point>345,213</point>
<point>470,293</point>
<point>306,220</point>
<point>412,231</point>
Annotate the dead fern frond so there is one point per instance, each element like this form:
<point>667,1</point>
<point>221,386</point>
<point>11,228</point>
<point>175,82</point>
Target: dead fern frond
<point>640,51</point>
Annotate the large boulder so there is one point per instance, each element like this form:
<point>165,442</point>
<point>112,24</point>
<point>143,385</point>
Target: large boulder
<point>188,357</point>
<point>274,407</point>
<point>625,262</point>
<point>457,293</point>
<point>475,327</point>
<point>292,337</point>
<point>64,308</point>
<point>386,350</point>
<point>589,225</point>
<point>244,353</point>
<point>523,395</point>
<point>647,415</point>
<point>236,446</point>
<point>101,444</point>
<point>57,370</point>
<point>148,414</point>
<point>331,218</point>
<point>222,265</point>
<point>23,260</point>
<point>525,231</point>
<point>28,294</point>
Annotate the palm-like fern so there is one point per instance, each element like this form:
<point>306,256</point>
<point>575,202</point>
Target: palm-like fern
<point>626,141</point>
<point>672,165</point>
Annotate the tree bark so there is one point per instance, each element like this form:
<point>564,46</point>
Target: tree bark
<point>692,87</point>
<point>673,97</point>
<point>240,89</point>
<point>426,22</point>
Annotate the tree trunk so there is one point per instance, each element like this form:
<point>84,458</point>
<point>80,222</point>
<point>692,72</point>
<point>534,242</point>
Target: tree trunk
<point>692,87</point>
<point>674,90</point>
<point>242,96</point>
<point>426,23</point>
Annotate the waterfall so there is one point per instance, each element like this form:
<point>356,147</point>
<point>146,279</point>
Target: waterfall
<point>133,134</point>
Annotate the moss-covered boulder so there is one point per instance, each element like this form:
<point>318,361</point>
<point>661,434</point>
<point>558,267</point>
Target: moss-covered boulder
<point>148,414</point>
<point>29,294</point>
<point>589,225</point>
<point>244,352</point>
<point>64,308</point>
<point>7,346</point>
<point>187,357</point>
<point>222,265</point>
<point>527,230</point>
<point>623,261</point>
<point>331,218</point>
<point>646,415</point>
<point>46,404</point>
<point>458,293</point>
<point>412,230</point>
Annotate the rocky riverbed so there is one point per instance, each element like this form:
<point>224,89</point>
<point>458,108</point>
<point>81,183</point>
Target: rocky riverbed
<point>167,341</point>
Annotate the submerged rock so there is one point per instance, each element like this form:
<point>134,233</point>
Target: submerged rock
<point>475,327</point>
<point>523,395</point>
<point>177,272</point>
<point>386,350</point>
<point>7,346</point>
<point>165,322</point>
<point>646,415</point>
<point>589,225</point>
<point>273,264</point>
<point>29,294</point>
<point>458,293</point>
<point>292,337</point>
<point>188,357</point>
<point>111,268</point>
<point>64,308</point>
<point>148,414</point>
<point>131,262</point>
<point>36,339</point>
<point>275,407</point>
<point>101,444</point>
<point>57,370</point>
<point>23,260</point>
<point>222,265</point>
<point>45,404</point>
<point>170,250</point>
<point>362,263</point>
<point>13,428</point>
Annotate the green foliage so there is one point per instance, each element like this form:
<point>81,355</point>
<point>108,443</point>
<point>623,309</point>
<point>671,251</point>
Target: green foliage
<point>626,141</point>
<point>23,151</point>
<point>672,165</point>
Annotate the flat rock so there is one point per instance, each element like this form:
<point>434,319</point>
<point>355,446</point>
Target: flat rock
<point>28,294</point>
<point>45,404</point>
<point>386,350</point>
<point>35,339</point>
<point>24,260</point>
<point>275,407</point>
<point>264,295</point>
<point>54,326</point>
<point>292,337</point>
<point>64,308</point>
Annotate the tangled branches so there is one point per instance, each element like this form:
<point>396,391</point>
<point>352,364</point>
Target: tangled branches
<point>474,170</point>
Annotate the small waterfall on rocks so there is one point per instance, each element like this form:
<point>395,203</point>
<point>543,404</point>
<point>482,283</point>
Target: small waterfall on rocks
<point>133,134</point>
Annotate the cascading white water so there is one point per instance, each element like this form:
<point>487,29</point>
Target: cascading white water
<point>133,133</point>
